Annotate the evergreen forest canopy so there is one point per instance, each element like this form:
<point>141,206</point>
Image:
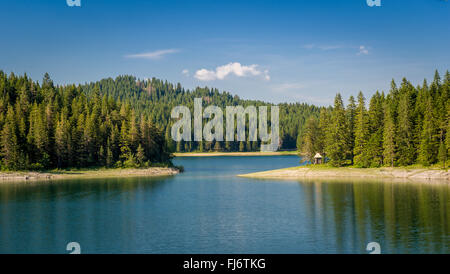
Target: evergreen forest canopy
<point>125,122</point>
<point>410,125</point>
<point>122,122</point>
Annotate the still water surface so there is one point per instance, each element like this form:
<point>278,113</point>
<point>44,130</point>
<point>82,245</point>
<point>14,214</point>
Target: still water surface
<point>208,209</point>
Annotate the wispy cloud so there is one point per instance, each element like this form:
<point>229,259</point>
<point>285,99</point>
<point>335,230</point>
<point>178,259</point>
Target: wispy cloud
<point>153,55</point>
<point>236,69</point>
<point>363,50</point>
<point>185,72</point>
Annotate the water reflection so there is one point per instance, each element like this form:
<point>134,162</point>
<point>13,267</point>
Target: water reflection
<point>42,217</point>
<point>208,209</point>
<point>403,217</point>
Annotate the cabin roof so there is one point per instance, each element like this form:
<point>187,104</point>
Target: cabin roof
<point>318,155</point>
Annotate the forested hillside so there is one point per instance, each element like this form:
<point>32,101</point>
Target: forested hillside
<point>112,122</point>
<point>155,98</point>
<point>409,125</point>
<point>44,126</point>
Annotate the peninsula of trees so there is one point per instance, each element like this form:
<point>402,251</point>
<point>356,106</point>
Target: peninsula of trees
<point>410,125</point>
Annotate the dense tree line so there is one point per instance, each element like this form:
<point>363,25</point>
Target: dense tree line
<point>409,125</point>
<point>46,126</point>
<point>126,122</point>
<point>155,99</point>
<point>111,122</point>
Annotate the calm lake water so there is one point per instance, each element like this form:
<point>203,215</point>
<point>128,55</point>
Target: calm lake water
<point>208,209</point>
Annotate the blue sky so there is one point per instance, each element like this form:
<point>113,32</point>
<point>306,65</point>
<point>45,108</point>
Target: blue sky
<point>277,51</point>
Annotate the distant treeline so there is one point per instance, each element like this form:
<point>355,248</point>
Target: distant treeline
<point>155,99</point>
<point>410,125</point>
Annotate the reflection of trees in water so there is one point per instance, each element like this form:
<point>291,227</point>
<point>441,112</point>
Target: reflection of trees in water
<point>402,216</point>
<point>77,188</point>
<point>44,216</point>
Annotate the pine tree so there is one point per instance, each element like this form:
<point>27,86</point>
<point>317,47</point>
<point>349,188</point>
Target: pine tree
<point>169,141</point>
<point>361,133</point>
<point>61,141</point>
<point>351,113</point>
<point>324,128</point>
<point>428,145</point>
<point>140,155</point>
<point>9,145</point>
<point>405,128</point>
<point>125,150</point>
<point>310,139</point>
<point>388,135</point>
<point>89,140</point>
<point>336,150</point>
<point>374,152</point>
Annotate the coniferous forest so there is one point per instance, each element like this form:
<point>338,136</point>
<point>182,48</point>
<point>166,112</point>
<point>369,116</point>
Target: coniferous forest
<point>47,126</point>
<point>125,122</point>
<point>410,125</point>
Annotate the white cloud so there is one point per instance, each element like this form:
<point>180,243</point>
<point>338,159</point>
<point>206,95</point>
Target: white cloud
<point>205,75</point>
<point>236,69</point>
<point>363,50</point>
<point>153,55</point>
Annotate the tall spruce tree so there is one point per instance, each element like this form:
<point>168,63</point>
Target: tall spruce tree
<point>405,133</point>
<point>310,139</point>
<point>336,150</point>
<point>351,113</point>
<point>374,152</point>
<point>361,133</point>
<point>389,132</point>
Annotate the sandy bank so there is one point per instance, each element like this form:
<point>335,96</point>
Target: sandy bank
<point>211,154</point>
<point>78,174</point>
<point>305,172</point>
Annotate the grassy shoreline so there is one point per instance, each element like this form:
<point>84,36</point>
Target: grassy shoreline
<point>302,172</point>
<point>86,174</point>
<point>212,154</point>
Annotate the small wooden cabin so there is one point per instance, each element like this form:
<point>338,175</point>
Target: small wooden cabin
<point>318,159</point>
